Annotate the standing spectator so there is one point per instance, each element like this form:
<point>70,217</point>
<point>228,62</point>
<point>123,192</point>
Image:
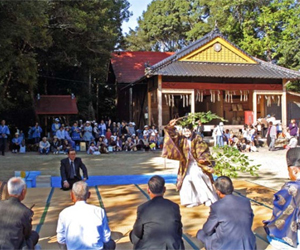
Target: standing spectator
<point>36,133</point>
<point>16,143</point>
<point>293,128</point>
<point>146,131</point>
<point>200,129</point>
<point>272,133</point>
<point>131,129</point>
<point>87,129</point>
<point>124,129</point>
<point>220,130</point>
<point>4,132</point>
<point>29,133</point>
<point>16,219</point>
<point>76,133</point>
<point>223,228</point>
<point>55,126</point>
<point>102,128</point>
<point>44,146</point>
<point>83,226</point>
<point>114,128</point>
<point>158,224</point>
<point>70,170</point>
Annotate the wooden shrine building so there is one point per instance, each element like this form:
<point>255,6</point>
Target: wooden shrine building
<point>210,74</point>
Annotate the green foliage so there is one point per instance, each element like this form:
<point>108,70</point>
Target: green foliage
<point>229,161</point>
<point>204,117</point>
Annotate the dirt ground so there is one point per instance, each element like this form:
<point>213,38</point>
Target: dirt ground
<point>272,172</point>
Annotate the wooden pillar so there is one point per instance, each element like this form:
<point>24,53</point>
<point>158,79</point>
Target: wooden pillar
<point>149,108</point>
<point>193,102</point>
<point>159,103</point>
<point>130,104</point>
<point>254,103</point>
<point>284,105</point>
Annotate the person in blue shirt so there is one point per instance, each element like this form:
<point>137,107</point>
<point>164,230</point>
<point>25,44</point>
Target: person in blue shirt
<point>55,126</point>
<point>36,132</point>
<point>4,133</point>
<point>16,143</point>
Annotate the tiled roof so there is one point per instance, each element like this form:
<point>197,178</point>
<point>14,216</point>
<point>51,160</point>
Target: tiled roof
<point>170,66</point>
<point>130,66</point>
<point>56,105</point>
<point>227,70</point>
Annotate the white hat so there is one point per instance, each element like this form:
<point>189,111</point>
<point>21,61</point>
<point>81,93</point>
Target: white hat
<point>133,123</point>
<point>56,119</point>
<point>95,123</point>
<point>221,123</point>
<point>146,126</point>
<point>87,122</point>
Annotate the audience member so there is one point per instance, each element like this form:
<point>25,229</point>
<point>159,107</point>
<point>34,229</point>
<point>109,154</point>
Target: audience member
<point>283,228</point>
<point>36,133</point>
<point>16,219</point>
<point>83,226</point>
<point>61,134</point>
<point>16,143</point>
<point>102,128</point>
<point>4,132</point>
<point>145,143</point>
<point>129,145</point>
<point>87,132</point>
<point>272,134</point>
<point>93,150</point>
<point>76,133</point>
<point>66,146</point>
<point>293,128</point>
<point>223,228</point>
<point>118,144</point>
<point>146,131</point>
<point>200,129</point>
<point>68,137</point>
<point>56,146</point>
<point>158,224</point>
<point>131,129</point>
<point>103,147</point>
<point>70,170</point>
<point>44,146</point>
<point>55,126</point>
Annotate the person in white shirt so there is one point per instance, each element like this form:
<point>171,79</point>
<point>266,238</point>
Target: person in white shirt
<point>83,226</point>
<point>272,133</point>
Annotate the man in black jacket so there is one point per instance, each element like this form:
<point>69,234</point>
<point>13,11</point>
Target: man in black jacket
<point>70,170</point>
<point>15,220</point>
<point>158,224</point>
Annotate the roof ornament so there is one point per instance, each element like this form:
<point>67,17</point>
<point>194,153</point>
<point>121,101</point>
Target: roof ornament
<point>215,30</point>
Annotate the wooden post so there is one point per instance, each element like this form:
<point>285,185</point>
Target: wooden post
<point>284,105</point>
<point>254,101</point>
<point>159,103</point>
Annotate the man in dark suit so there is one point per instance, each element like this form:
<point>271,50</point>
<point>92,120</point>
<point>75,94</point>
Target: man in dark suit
<point>70,170</point>
<point>230,220</point>
<point>15,220</point>
<point>158,224</point>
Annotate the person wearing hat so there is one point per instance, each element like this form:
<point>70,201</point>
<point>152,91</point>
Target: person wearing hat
<point>146,131</point>
<point>55,126</point>
<point>88,135</point>
<point>283,227</point>
<point>194,178</point>
<point>16,143</point>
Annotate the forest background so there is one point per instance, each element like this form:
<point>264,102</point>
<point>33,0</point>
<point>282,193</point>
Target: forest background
<point>64,47</point>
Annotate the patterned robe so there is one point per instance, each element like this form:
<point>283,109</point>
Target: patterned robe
<point>176,148</point>
<point>283,225</point>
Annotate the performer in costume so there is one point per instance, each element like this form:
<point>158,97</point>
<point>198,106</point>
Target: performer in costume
<point>194,179</point>
<point>283,228</point>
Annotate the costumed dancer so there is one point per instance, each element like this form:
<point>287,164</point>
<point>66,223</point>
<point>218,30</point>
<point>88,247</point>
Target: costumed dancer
<point>283,228</point>
<point>194,179</point>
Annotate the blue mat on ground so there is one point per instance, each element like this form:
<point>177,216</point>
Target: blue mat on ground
<point>107,180</point>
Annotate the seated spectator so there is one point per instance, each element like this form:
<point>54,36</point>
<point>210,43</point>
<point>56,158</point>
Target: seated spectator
<point>16,229</point>
<point>137,142</point>
<point>158,223</point>
<point>227,137</point>
<point>118,144</point>
<point>146,131</point>
<point>44,146</point>
<point>93,150</point>
<point>102,146</point>
<point>66,146</point>
<point>283,227</point>
<point>114,128</point>
<point>152,141</point>
<point>55,126</point>
<point>61,134</point>
<point>223,228</point>
<point>96,131</point>
<point>114,136</point>
<point>112,144</point>
<point>56,145</point>
<point>68,137</point>
<point>102,128</point>
<point>16,143</point>
<point>129,145</point>
<point>145,143</point>
<point>123,139</point>
<point>23,147</point>
<point>83,226</point>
